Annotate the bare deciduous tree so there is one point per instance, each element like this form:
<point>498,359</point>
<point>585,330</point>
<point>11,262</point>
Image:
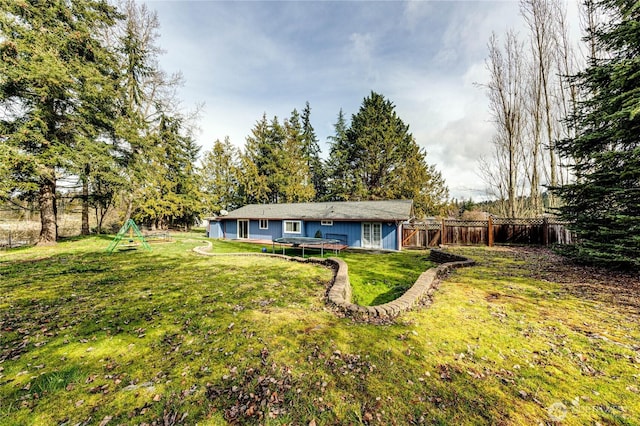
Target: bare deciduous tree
<point>530,99</point>
<point>507,105</point>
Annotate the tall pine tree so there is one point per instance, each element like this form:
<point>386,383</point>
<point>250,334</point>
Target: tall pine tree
<point>603,204</point>
<point>384,162</point>
<point>220,177</point>
<point>293,160</point>
<point>311,153</point>
<point>170,195</point>
<point>56,92</point>
<point>337,165</point>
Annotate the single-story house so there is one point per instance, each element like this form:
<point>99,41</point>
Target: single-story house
<point>364,224</point>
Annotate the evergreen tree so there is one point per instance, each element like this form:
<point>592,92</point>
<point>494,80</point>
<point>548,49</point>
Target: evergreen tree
<point>384,161</point>
<point>422,183</point>
<point>171,191</point>
<point>261,156</point>
<point>145,95</point>
<point>311,153</point>
<point>252,186</point>
<point>272,164</point>
<point>603,204</point>
<point>274,168</point>
<point>337,166</point>
<point>258,147</point>
<point>56,91</point>
<point>258,152</point>
<point>219,174</point>
<point>293,163</point>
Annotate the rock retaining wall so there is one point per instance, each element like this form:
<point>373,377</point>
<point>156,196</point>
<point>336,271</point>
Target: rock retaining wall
<point>339,293</point>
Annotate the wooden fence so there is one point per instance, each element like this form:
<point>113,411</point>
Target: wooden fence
<point>486,232</point>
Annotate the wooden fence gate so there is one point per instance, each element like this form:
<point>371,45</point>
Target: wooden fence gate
<point>486,232</point>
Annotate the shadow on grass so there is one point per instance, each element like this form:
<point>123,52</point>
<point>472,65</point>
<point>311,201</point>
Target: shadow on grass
<point>381,278</point>
<point>390,295</point>
<point>81,323</point>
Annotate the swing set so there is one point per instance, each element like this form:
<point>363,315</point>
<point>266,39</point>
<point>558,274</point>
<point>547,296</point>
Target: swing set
<point>135,238</point>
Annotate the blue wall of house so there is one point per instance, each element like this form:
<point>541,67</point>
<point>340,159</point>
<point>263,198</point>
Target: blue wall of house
<point>352,233</point>
<point>230,227</point>
<point>214,229</point>
<point>274,230</point>
<point>390,236</point>
<point>348,232</point>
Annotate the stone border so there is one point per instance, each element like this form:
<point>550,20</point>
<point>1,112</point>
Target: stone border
<point>339,293</point>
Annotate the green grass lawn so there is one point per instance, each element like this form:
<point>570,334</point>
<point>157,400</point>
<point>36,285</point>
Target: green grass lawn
<point>171,337</point>
<point>376,278</point>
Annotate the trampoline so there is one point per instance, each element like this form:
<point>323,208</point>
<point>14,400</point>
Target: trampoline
<point>308,242</point>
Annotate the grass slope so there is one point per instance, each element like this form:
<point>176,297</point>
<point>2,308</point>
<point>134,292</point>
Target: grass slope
<point>376,278</point>
<point>170,337</point>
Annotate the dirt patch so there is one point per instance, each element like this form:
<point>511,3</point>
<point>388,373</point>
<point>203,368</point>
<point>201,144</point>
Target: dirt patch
<point>620,288</point>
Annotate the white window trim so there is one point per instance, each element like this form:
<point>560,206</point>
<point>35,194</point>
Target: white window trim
<point>248,222</point>
<point>299,222</point>
<point>265,222</point>
<point>326,222</point>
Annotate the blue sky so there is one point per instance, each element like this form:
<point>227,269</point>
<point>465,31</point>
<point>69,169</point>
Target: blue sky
<point>242,59</point>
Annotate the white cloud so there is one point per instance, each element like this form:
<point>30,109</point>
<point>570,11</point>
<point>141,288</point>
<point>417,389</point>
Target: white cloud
<point>361,46</point>
<point>247,58</point>
<point>416,12</point>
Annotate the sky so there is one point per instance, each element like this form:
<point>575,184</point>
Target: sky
<point>243,59</point>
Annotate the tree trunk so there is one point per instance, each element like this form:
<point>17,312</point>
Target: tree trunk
<point>129,211</point>
<point>48,211</point>
<point>98,221</point>
<point>85,201</point>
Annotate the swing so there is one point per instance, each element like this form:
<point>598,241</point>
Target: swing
<point>132,244</point>
<point>135,238</point>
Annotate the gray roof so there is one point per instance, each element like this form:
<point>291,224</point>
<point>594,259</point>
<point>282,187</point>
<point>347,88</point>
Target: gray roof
<point>392,210</point>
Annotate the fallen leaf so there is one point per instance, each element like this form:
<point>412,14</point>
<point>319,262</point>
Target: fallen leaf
<point>106,420</point>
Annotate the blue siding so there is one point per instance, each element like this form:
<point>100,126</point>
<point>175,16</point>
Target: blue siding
<point>349,231</point>
<point>389,236</point>
<point>231,229</point>
<point>214,229</point>
<point>353,233</point>
<point>274,230</point>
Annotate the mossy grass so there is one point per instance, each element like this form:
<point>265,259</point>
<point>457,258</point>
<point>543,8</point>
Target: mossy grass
<point>376,278</point>
<point>173,337</point>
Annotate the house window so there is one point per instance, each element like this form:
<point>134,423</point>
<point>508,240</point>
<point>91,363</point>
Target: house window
<point>292,227</point>
<point>326,223</point>
<point>264,224</point>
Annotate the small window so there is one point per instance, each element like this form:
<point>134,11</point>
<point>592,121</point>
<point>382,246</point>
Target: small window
<point>264,224</point>
<point>292,226</point>
<point>326,223</point>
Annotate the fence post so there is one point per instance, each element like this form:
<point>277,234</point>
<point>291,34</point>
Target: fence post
<point>442,238</point>
<point>490,232</point>
<point>545,231</point>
